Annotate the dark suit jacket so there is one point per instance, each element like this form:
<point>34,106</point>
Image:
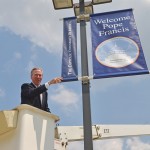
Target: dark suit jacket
<point>30,94</point>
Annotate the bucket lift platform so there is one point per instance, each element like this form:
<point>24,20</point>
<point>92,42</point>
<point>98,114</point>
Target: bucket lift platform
<point>29,128</point>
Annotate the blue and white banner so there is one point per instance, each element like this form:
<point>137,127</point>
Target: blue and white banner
<point>116,47</point>
<point>69,58</point>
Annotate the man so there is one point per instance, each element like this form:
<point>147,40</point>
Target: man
<point>35,94</point>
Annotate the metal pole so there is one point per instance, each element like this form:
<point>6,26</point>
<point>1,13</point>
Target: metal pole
<point>88,142</point>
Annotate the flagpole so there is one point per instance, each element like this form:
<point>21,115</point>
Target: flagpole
<point>87,123</point>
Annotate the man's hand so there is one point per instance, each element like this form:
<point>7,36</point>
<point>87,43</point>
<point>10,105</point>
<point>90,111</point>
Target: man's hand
<point>55,80</point>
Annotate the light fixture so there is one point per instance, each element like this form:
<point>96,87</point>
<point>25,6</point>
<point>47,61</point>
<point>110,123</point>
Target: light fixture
<point>88,8</point>
<point>62,4</point>
<point>100,1</point>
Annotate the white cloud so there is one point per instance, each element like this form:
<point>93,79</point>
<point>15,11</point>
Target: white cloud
<point>33,58</point>
<point>75,145</point>
<point>134,143</point>
<point>9,65</point>
<point>104,84</point>
<point>147,1</point>
<point>67,98</point>
<point>137,144</point>
<point>2,92</point>
<point>17,55</point>
<point>113,144</point>
<point>35,20</point>
<point>30,66</point>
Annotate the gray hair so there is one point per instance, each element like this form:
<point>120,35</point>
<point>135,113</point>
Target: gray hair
<point>36,68</point>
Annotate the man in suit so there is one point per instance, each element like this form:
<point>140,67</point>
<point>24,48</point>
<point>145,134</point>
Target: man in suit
<point>34,93</point>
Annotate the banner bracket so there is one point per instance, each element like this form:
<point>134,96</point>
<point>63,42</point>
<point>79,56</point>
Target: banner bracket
<point>85,17</point>
<point>85,79</point>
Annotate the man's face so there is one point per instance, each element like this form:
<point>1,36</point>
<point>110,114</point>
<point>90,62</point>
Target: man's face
<point>36,77</point>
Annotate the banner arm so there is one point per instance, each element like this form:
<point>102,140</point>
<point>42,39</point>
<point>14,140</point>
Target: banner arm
<point>84,78</point>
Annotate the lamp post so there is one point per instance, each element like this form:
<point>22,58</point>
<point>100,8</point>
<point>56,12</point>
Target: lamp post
<point>81,10</point>
<point>87,124</point>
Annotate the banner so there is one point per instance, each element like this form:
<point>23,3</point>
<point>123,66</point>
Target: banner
<point>69,58</point>
<point>116,47</point>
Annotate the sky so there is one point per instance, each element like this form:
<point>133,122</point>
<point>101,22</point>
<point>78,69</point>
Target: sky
<point>31,34</point>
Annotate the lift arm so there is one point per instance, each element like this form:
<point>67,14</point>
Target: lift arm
<point>75,133</point>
